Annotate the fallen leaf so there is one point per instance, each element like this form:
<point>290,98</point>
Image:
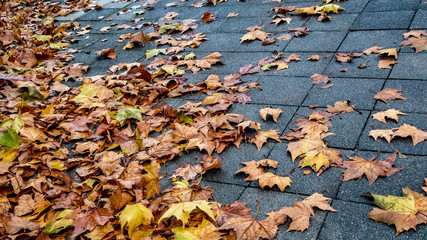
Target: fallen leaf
<point>313,58</point>
<point>208,17</point>
<point>382,133</point>
<point>319,78</point>
<point>389,52</point>
<point>357,167</point>
<point>407,130</point>
<point>390,113</point>
<point>251,229</point>
<point>386,64</point>
<point>269,179</point>
<point>230,15</point>
<point>109,53</point>
<point>263,136</point>
<point>274,112</point>
<point>404,212</point>
<point>389,94</point>
<point>133,215</point>
<point>370,50</point>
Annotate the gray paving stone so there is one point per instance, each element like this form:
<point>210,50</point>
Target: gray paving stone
<point>210,27</point>
<point>385,6</point>
<point>410,175</point>
<point>347,129</point>
<point>351,222</point>
<point>404,145</point>
<point>258,10</point>
<point>317,42</point>
<point>224,193</point>
<point>420,20</point>
<point>68,17</point>
<point>254,46</point>
<point>360,40</point>
<point>232,159</point>
<point>354,89</point>
<point>383,20</point>
<point>233,61</point>
<point>414,91</point>
<point>84,57</point>
<point>371,70</point>
<point>97,14</point>
<point>326,183</point>
<point>93,42</point>
<point>341,22</point>
<point>413,61</point>
<point>353,6</point>
<point>281,90</point>
<point>277,30</point>
<point>119,5</point>
<point>274,201</point>
<point>239,25</point>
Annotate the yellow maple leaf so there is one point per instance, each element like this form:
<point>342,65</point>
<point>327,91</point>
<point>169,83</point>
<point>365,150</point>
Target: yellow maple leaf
<point>135,215</point>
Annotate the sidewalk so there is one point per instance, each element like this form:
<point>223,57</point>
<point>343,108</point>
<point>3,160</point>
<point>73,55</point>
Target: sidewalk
<point>361,25</point>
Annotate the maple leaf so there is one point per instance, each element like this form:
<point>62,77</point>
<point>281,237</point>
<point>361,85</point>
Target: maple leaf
<point>9,139</point>
<point>346,57</point>
<point>181,211</point>
<point>263,136</point>
<point>319,78</point>
<point>303,146</point>
<point>329,8</point>
<point>320,158</point>
<point>270,179</point>
<point>251,229</point>
<point>279,19</point>
<point>390,52</point>
<point>187,171</point>
<point>341,106</point>
<point>109,53</point>
<point>208,17</point>
<point>275,113</point>
<point>230,15</point>
<point>253,169</point>
<point>404,212</point>
<point>32,134</point>
<point>205,230</point>
<point>382,133</point>
<point>313,58</point>
<point>373,49</point>
<point>301,211</point>
<point>16,224</point>
<point>386,64</point>
<point>357,167</point>
<point>407,130</point>
<point>87,221</point>
<point>267,163</point>
<point>253,35</point>
<point>99,232</point>
<point>390,113</point>
<point>154,52</point>
<point>389,94</point>
<point>135,215</point>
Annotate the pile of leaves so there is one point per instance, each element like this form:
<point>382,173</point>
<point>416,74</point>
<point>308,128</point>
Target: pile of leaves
<point>85,161</point>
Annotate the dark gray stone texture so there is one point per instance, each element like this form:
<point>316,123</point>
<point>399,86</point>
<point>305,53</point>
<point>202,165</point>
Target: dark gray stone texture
<point>383,20</point>
<point>317,42</point>
<point>411,66</point>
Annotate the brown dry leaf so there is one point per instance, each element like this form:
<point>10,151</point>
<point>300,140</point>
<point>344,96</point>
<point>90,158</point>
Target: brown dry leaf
<point>382,133</point>
<point>187,171</point>
<point>109,53</point>
<point>279,20</point>
<point>313,58</point>
<point>267,163</point>
<point>417,42</point>
<point>386,64</point>
<point>171,4</point>
<point>105,29</point>
<point>251,229</point>
<point>87,221</point>
<point>169,16</point>
<point>357,167</point>
<point>16,224</point>
<point>253,169</point>
<point>230,15</point>
<point>389,52</point>
<point>284,37</point>
<point>390,113</point>
<point>370,50</point>
<point>343,69</point>
<point>263,136</point>
<point>253,35</point>
<point>303,210</point>
<point>249,69</point>
<point>32,134</point>
<point>404,212</point>
<point>407,130</point>
<point>274,112</point>
<point>319,78</point>
<point>389,94</point>
<point>198,4</point>
<point>269,41</point>
<point>341,106</point>
<point>347,57</point>
<point>269,179</point>
<point>208,17</point>
<point>327,86</point>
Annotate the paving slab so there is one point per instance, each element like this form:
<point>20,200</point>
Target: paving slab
<point>413,61</point>
<point>224,193</point>
<point>97,14</point>
<point>218,42</point>
<point>341,22</point>
<point>420,20</point>
<point>385,6</point>
<point>383,20</point>
<point>274,201</point>
<point>410,175</point>
<point>404,145</point>
<point>414,91</point>
<point>239,24</point>
<point>317,42</point>
<point>358,41</point>
<point>351,222</point>
<point>281,90</point>
<point>357,90</point>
